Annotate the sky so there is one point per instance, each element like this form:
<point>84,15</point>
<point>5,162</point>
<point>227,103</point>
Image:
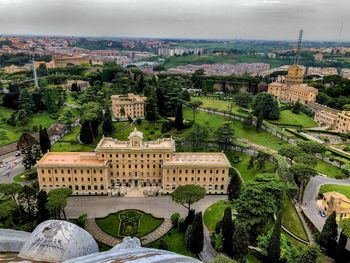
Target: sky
<point>220,19</point>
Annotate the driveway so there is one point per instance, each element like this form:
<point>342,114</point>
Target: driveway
<point>12,166</point>
<point>160,206</point>
<point>309,205</point>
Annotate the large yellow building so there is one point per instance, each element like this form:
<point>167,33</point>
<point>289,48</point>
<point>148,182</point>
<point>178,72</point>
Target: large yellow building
<point>336,202</point>
<point>332,119</point>
<point>118,167</point>
<point>130,105</point>
<point>293,89</point>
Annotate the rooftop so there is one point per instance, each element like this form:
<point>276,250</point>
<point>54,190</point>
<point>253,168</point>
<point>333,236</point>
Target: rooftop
<point>199,159</point>
<point>336,195</point>
<point>70,159</point>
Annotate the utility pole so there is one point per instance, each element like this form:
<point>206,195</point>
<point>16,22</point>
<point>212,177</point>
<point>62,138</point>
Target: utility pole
<point>35,75</point>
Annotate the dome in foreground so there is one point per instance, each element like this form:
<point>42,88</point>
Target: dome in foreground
<point>57,241</point>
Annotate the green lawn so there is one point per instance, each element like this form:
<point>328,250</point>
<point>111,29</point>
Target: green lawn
<point>291,220</point>
<point>69,143</point>
<point>213,121</point>
<point>175,241</point>
<point>287,117</point>
<point>220,105</point>
<point>151,130</point>
<point>329,170</point>
<point>26,176</point>
<point>71,100</point>
<point>111,223</point>
<point>214,213</point>
<point>249,175</point>
<point>343,189</point>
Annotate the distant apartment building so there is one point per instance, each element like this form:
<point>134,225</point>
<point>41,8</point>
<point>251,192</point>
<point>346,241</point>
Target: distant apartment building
<point>117,166</point>
<point>318,57</point>
<point>169,52</point>
<point>62,62</point>
<point>338,203</point>
<point>293,89</point>
<point>321,71</point>
<point>14,69</point>
<point>345,73</point>
<point>130,105</point>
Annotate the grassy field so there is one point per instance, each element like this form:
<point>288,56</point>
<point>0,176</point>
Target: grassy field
<point>213,121</point>
<point>329,170</point>
<point>40,118</point>
<point>220,105</point>
<point>343,189</point>
<point>175,241</point>
<point>69,143</point>
<point>249,175</point>
<point>287,117</point>
<point>291,220</point>
<point>214,213</point>
<point>111,223</point>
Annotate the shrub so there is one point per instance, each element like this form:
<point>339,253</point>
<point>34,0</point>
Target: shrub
<point>151,132</point>
<point>175,218</point>
<point>81,220</point>
<point>163,245</point>
<point>35,128</point>
<point>181,225</point>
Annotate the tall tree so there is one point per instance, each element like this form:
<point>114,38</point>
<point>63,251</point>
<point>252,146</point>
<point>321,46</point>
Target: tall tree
<point>259,121</point>
<point>25,101</point>
<point>224,137</point>
<point>196,236</point>
<point>179,124</point>
<point>27,197</point>
<point>10,190</point>
<point>227,230</point>
<point>7,209</point>
<point>107,125</point>
<point>57,202</point>
<point>186,195</point>
<point>243,99</point>
<point>44,140</point>
<point>274,246</point>
<point>42,213</point>
<point>240,241</point>
<point>329,234</point>
<point>265,103</point>
<point>311,147</point>
<point>341,253</point>
<point>194,105</point>
<point>198,137</point>
<point>151,109</point>
<point>290,151</point>
<point>234,187</point>
<point>29,149</point>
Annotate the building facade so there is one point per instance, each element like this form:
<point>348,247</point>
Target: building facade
<point>130,105</point>
<point>336,202</point>
<point>293,89</point>
<point>334,120</point>
<point>117,167</point>
<point>62,62</point>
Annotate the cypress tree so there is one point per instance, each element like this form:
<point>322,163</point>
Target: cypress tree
<point>189,219</point>
<point>107,125</point>
<point>227,230</point>
<point>42,213</point>
<point>329,235</point>
<point>340,253</point>
<point>151,110</point>
<point>240,242</point>
<point>44,140</point>
<point>196,239</point>
<point>259,121</point>
<point>234,186</point>
<point>85,133</point>
<point>179,125</point>
<point>274,247</point>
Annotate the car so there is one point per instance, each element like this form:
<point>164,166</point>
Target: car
<point>17,154</point>
<point>7,173</point>
<point>322,213</point>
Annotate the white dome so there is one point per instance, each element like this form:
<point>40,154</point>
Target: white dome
<point>57,241</point>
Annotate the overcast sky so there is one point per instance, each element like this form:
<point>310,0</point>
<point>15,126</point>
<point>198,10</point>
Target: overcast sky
<point>247,19</point>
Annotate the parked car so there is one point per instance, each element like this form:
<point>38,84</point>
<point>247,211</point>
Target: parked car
<point>322,213</point>
<point>7,173</point>
<point>17,154</point>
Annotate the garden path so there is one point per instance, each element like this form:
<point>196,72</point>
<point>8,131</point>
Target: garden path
<point>99,235</point>
<point>157,233</point>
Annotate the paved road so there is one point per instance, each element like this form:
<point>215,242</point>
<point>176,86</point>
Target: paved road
<point>161,206</point>
<point>310,206</point>
<point>13,167</point>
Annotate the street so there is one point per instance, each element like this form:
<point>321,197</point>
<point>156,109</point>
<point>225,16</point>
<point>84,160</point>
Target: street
<point>14,165</point>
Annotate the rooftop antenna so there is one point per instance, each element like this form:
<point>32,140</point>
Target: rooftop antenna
<point>297,54</point>
<point>36,84</point>
<point>340,31</point>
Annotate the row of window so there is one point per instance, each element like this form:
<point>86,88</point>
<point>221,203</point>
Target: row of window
<point>134,155</point>
<point>77,187</point>
<point>198,179</point>
<point>135,173</point>
<point>193,171</point>
<point>74,171</point>
<point>135,166</point>
<point>209,187</point>
<point>57,179</point>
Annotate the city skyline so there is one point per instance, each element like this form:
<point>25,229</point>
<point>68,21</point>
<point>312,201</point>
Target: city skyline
<point>177,19</point>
